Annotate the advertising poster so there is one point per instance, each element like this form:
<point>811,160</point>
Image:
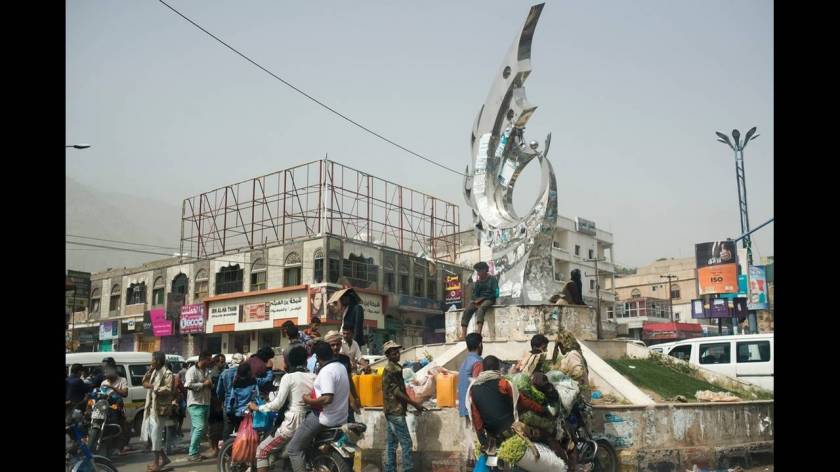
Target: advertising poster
<point>192,318</point>
<point>717,267</point>
<point>454,291</point>
<point>160,325</point>
<point>758,288</point>
<point>109,330</point>
<point>317,302</point>
<point>254,312</point>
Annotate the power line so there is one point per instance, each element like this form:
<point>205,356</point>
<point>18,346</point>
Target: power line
<point>310,97</point>
<point>185,259</point>
<point>122,242</point>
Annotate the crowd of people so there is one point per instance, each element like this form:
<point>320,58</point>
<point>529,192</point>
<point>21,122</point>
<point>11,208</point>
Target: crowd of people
<point>310,383</point>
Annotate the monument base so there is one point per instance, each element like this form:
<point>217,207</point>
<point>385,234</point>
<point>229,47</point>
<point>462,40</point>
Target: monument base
<point>521,322</point>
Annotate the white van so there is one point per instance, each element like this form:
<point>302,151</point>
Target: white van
<point>747,357</point>
<point>131,365</point>
<point>661,348</point>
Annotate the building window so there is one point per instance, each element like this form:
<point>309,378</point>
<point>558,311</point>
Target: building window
<point>360,271</point>
<point>675,291</point>
<point>258,275</point>
<point>633,309</point>
<point>388,269</point>
<point>404,288</point>
<point>95,301</point>
<point>202,285</point>
<point>319,265</point>
<point>431,280</point>
<point>558,271</point>
<point>229,279</point>
<point>592,284</point>
<point>419,277</point>
<point>180,285</point>
<point>635,293</point>
<point>610,312</point>
<point>158,289</point>
<point>291,276</point>
<point>334,262</point>
<point>653,288</point>
<point>577,250</point>
<point>591,254</point>
<point>135,294</point>
<point>114,305</point>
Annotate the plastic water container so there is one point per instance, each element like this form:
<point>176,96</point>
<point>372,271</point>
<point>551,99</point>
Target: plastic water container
<point>446,389</point>
<point>356,383</point>
<point>370,389</point>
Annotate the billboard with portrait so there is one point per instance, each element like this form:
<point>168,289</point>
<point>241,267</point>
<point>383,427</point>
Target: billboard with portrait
<point>758,288</point>
<point>717,267</point>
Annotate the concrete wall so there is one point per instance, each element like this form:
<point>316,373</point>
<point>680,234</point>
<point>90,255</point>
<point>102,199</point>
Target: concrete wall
<point>662,437</point>
<point>523,321</point>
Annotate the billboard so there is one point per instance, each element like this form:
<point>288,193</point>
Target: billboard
<point>717,267</point>
<point>758,288</point>
<point>585,226</point>
<point>192,318</point>
<point>454,292</point>
<point>718,308</point>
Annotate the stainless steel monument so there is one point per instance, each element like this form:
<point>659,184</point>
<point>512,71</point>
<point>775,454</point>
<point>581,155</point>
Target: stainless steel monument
<point>521,246</point>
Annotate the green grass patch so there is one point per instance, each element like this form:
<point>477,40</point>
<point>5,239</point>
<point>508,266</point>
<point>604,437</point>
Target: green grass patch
<point>666,382</point>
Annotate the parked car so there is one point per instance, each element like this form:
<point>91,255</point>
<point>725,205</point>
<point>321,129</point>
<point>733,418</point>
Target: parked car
<point>662,348</point>
<point>747,357</point>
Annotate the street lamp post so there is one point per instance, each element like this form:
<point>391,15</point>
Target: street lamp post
<point>738,148</point>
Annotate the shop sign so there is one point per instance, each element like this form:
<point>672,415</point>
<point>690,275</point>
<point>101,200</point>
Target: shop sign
<point>717,267</point>
<point>372,303</point>
<point>109,330</point>
<point>224,314</point>
<point>290,305</point>
<point>419,302</point>
<point>192,318</point>
<point>160,325</point>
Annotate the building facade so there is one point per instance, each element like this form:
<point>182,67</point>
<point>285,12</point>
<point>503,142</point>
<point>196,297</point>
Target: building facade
<point>274,248</point>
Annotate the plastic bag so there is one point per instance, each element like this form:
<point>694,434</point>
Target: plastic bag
<point>481,464</point>
<point>425,390</point>
<point>245,445</point>
<point>263,421</point>
<point>546,462</point>
<point>568,390</point>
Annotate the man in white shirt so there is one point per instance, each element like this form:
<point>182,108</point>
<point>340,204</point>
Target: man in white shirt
<point>332,387</point>
<point>350,348</point>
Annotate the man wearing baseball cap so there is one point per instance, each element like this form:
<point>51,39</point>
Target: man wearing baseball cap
<point>394,399</point>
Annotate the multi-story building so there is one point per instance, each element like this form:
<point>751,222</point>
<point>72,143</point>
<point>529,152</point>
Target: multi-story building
<point>320,227</point>
<point>575,246</point>
<point>647,295</point>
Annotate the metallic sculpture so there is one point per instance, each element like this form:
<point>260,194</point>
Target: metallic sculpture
<point>521,246</point>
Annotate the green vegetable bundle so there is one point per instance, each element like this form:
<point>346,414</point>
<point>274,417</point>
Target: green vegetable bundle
<point>536,421</point>
<point>521,380</point>
<point>533,394</point>
<point>513,449</point>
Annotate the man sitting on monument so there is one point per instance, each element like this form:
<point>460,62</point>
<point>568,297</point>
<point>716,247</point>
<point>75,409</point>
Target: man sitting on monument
<point>484,295</point>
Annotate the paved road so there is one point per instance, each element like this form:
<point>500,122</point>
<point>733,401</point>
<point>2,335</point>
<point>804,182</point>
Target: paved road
<point>136,461</point>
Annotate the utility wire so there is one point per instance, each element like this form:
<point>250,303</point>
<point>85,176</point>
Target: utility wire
<point>310,97</point>
<point>122,242</point>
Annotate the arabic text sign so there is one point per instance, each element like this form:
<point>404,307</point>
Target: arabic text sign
<point>192,318</point>
<point>160,325</point>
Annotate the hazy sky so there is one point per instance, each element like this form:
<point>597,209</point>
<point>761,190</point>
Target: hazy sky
<point>632,92</point>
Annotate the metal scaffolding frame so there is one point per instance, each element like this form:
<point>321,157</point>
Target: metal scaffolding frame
<point>314,199</point>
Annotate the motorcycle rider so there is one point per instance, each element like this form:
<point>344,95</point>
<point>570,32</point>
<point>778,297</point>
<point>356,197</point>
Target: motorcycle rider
<point>334,340</point>
<point>296,384</point>
<point>491,400</point>
<point>119,386</point>
<point>332,387</point>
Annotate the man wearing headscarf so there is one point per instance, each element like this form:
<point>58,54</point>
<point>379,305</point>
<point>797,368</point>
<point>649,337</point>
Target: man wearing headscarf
<point>573,363</point>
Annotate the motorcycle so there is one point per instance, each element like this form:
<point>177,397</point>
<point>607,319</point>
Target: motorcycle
<point>78,457</point>
<point>594,454</point>
<point>105,432</point>
<point>332,450</point>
